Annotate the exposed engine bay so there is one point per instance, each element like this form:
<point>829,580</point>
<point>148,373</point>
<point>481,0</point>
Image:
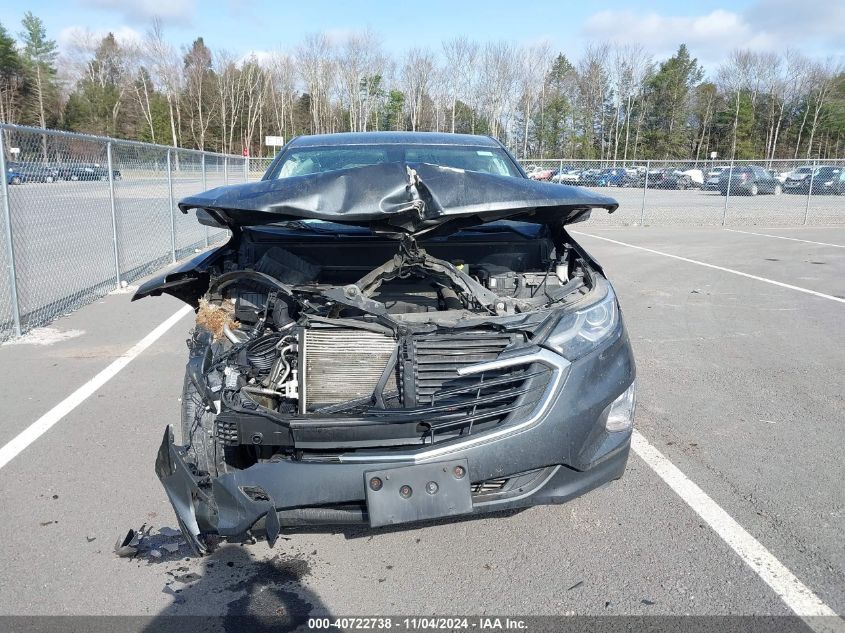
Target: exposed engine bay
<point>299,354</point>
<point>393,342</point>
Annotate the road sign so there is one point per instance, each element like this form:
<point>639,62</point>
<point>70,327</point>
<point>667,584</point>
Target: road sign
<point>274,141</point>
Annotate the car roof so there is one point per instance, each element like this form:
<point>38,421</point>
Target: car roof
<point>392,138</point>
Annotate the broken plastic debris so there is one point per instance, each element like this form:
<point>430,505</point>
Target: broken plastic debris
<point>170,547</point>
<point>127,547</point>
<point>155,553</point>
<point>131,543</point>
<point>168,531</point>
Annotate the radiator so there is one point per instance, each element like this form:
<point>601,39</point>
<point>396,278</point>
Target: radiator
<point>339,364</point>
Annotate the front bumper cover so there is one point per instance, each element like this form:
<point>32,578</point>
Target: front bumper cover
<point>567,442</point>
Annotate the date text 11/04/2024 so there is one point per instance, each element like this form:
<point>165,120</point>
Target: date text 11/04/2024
<point>418,623</point>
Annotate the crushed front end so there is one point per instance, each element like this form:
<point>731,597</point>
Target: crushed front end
<point>430,387</point>
<point>387,344</point>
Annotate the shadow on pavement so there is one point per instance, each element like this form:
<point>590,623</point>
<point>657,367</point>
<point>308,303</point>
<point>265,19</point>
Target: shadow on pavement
<point>231,591</point>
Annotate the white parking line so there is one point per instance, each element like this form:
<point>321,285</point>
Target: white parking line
<point>49,419</point>
<point>797,596</point>
<point>713,266</point>
<point>791,239</point>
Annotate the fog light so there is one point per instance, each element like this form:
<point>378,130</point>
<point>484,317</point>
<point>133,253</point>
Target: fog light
<point>621,414</point>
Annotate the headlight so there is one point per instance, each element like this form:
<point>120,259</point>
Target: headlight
<point>621,414</point>
<point>578,333</point>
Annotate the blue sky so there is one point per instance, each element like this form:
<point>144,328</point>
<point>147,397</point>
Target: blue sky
<point>711,29</point>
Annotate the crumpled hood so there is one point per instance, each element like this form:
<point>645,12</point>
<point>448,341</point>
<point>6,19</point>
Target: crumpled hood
<point>395,197</point>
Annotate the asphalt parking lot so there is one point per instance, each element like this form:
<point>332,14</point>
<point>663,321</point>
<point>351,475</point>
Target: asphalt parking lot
<point>741,364</point>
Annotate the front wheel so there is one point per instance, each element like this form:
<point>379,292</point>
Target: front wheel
<point>198,433</point>
<point>778,190</point>
<point>16,180</point>
<point>753,191</point>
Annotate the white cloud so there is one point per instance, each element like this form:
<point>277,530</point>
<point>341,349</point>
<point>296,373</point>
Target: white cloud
<point>142,11</point>
<point>823,18</point>
<point>709,37</point>
<point>262,57</point>
<point>83,37</point>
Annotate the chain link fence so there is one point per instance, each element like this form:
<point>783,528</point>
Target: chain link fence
<point>723,193</point>
<point>82,214</point>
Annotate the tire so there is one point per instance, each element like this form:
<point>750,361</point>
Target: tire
<point>74,178</point>
<point>102,178</point>
<point>48,179</point>
<point>198,432</point>
<point>16,180</point>
<point>777,190</point>
<point>753,190</point>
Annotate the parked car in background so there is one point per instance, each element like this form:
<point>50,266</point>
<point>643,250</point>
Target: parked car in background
<point>749,180</point>
<point>567,176</point>
<point>81,171</point>
<point>798,180</point>
<point>670,179</point>
<point>611,177</point>
<point>711,181</point>
<point>542,174</point>
<point>828,180</point>
<point>696,176</point>
<point>14,174</point>
<point>17,173</point>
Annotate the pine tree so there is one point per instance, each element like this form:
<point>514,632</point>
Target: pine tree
<point>39,57</point>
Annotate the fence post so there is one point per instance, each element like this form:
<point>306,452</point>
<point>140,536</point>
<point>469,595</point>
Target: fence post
<point>113,214</point>
<point>10,245</point>
<point>728,192</point>
<point>246,168</point>
<point>225,170</point>
<point>172,218</point>
<point>645,188</point>
<point>204,188</point>
<point>809,192</point>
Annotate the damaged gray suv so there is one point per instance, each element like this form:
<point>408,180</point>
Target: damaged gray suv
<point>400,328</point>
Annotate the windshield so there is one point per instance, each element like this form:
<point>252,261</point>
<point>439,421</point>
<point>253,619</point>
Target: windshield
<point>310,160</point>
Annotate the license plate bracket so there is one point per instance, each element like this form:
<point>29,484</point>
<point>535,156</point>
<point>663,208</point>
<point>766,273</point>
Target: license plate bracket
<point>419,492</point>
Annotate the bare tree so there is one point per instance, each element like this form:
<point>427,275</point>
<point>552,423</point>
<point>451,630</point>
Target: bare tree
<point>417,71</point>
<point>315,57</point>
<point>498,70</point>
<point>534,64</point>
<point>282,91</point>
<point>822,75</point>
<point>593,91</point>
<point>198,88</point>
<point>168,73</point>
<point>361,65</point>
<point>628,67</point>
<point>460,54</point>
